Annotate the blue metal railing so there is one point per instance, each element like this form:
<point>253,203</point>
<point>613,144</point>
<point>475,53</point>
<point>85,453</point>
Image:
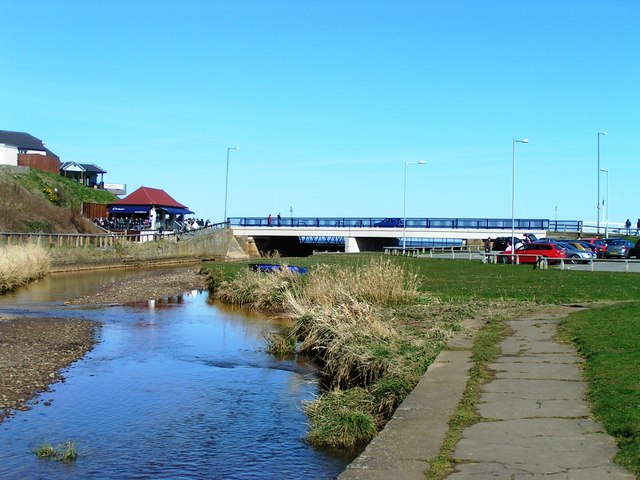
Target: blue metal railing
<point>372,222</point>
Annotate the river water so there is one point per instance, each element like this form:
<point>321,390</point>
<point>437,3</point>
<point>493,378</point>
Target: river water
<point>175,389</point>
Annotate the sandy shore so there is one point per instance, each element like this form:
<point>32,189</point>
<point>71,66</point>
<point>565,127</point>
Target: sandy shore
<point>35,351</point>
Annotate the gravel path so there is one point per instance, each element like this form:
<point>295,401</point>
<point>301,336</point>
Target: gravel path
<point>35,351</point>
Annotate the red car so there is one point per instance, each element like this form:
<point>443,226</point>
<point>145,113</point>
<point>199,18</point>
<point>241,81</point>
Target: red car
<point>600,243</point>
<point>531,253</point>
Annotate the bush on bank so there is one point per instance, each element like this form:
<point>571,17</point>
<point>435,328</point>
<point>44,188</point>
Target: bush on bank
<point>22,264</point>
<point>367,324</point>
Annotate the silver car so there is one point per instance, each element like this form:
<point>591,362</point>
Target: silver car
<point>620,248</point>
<point>575,255</point>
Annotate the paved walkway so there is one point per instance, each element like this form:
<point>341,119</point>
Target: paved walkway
<point>537,424</point>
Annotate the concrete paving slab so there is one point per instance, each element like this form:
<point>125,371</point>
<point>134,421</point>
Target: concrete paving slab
<point>537,358</point>
<point>501,406</point>
<point>540,370</point>
<point>539,446</point>
<point>538,389</point>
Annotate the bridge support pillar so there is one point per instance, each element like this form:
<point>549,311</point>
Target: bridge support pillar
<point>351,245</point>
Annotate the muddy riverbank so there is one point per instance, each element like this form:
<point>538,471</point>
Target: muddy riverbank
<point>35,351</point>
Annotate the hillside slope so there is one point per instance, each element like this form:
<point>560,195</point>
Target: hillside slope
<point>47,203</point>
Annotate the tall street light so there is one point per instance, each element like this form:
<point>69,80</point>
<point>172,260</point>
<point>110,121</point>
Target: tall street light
<point>404,206</point>
<point>598,212</point>
<point>513,190</point>
<point>226,183</point>
<point>606,206</point>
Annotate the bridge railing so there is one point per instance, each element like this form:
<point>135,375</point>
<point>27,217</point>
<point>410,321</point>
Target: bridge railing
<point>448,223</point>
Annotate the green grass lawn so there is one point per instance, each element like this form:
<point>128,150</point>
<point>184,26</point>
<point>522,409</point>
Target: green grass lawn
<point>464,280</point>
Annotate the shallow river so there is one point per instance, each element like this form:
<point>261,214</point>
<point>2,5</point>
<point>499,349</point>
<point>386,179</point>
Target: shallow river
<point>177,389</point>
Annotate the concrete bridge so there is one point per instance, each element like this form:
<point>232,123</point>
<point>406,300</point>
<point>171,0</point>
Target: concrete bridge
<point>374,234</point>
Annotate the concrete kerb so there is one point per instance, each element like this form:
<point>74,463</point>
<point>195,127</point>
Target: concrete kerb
<point>417,430</point>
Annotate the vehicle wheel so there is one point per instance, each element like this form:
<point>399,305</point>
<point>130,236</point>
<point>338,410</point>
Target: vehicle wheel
<point>573,258</point>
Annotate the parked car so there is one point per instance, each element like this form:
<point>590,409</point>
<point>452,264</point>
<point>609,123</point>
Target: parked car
<point>638,249</point>
<point>620,248</point>
<point>532,252</point>
<point>500,243</point>
<point>576,255</point>
<point>390,222</point>
<point>601,243</point>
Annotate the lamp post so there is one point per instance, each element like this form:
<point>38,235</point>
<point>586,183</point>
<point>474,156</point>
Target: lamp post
<point>226,183</point>
<point>513,190</point>
<point>606,206</point>
<point>598,212</point>
<point>404,205</point>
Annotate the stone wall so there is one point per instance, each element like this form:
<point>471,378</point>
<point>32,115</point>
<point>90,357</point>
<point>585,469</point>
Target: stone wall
<point>220,245</point>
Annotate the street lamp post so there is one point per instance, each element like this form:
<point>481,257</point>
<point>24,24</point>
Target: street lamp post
<point>605,206</point>
<point>513,190</point>
<point>226,183</point>
<point>598,212</point>
<point>404,205</point>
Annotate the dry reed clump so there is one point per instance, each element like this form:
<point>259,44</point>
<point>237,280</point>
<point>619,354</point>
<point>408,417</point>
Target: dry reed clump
<point>21,264</point>
<point>258,289</point>
<point>349,339</point>
<point>379,282</point>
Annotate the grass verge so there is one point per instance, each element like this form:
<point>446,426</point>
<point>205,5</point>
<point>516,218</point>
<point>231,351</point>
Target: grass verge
<point>608,339</point>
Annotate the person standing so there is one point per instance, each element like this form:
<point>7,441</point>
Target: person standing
<point>279,220</point>
<point>487,245</point>
<point>627,225</point>
<point>269,219</point>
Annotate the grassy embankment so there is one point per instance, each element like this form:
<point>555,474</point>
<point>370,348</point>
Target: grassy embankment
<point>451,290</point>
<point>41,202</point>
<point>21,264</point>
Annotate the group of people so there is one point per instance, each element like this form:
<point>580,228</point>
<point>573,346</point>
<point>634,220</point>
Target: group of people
<point>192,224</point>
<point>139,223</point>
<point>270,220</point>
<point>123,223</point>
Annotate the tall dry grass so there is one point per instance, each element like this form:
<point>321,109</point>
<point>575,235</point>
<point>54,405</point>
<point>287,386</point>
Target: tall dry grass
<point>379,282</point>
<point>263,291</point>
<point>22,264</point>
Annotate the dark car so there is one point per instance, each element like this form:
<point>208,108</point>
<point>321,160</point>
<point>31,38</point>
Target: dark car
<point>620,249</point>
<point>390,222</point>
<point>500,243</point>
<point>532,252</point>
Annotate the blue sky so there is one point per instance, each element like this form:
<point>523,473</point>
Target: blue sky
<point>327,100</point>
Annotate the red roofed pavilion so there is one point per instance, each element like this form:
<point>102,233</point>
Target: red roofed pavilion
<point>149,208</point>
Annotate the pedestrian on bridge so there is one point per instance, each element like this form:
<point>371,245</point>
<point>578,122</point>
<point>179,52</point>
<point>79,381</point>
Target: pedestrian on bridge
<point>269,220</point>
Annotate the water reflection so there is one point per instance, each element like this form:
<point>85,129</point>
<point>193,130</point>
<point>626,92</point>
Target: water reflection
<point>176,388</point>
